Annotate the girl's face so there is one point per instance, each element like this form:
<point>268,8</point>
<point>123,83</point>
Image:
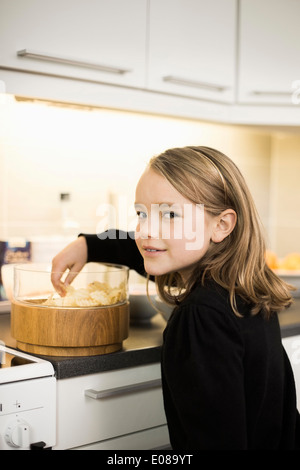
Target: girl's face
<point>172,233</point>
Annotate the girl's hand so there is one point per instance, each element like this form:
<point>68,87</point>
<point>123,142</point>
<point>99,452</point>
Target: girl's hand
<point>72,257</point>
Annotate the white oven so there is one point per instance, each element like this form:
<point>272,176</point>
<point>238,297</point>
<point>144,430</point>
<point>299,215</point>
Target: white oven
<point>27,401</point>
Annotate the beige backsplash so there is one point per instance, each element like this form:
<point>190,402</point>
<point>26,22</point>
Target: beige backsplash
<point>47,150</point>
<point>285,194</point>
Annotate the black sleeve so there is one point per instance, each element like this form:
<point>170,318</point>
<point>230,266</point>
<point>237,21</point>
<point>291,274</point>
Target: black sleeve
<point>203,381</point>
<point>115,246</point>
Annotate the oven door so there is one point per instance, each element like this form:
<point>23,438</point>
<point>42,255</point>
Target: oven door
<point>27,401</point>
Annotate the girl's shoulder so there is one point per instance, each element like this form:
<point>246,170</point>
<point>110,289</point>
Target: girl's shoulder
<point>211,296</point>
<point>205,313</point>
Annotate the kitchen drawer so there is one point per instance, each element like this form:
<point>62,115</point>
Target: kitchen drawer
<point>150,439</point>
<point>102,406</point>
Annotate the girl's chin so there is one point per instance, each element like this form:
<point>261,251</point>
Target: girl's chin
<point>159,271</point>
<point>152,271</point>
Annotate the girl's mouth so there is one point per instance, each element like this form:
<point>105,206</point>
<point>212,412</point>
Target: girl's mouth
<point>151,251</point>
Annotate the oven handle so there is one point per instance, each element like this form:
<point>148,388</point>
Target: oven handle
<point>112,392</point>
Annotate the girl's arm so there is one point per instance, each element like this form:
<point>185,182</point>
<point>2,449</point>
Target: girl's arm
<point>113,246</point>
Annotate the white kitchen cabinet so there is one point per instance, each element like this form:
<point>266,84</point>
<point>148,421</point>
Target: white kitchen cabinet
<point>292,347</point>
<point>269,50</point>
<point>111,410</point>
<point>192,48</point>
<point>230,61</point>
<point>95,40</point>
<point>149,439</point>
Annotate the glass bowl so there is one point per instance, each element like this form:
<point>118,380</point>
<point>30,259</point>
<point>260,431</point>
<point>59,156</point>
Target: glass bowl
<point>96,285</point>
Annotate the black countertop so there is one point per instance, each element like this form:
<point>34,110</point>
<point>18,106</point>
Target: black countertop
<point>143,346</point>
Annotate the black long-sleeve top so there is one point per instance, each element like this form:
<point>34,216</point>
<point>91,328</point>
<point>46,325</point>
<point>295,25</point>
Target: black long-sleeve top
<point>227,381</point>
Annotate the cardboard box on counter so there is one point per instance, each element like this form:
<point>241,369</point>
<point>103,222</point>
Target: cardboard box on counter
<point>11,252</point>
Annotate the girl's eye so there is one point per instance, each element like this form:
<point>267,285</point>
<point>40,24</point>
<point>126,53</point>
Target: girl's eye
<point>170,215</point>
<point>141,214</point>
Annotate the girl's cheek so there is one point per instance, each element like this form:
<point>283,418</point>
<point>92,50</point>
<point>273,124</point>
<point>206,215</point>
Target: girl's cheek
<point>137,233</point>
<point>142,230</point>
<point>194,229</point>
<point>178,229</point>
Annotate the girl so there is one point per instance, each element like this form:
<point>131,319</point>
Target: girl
<point>227,381</point>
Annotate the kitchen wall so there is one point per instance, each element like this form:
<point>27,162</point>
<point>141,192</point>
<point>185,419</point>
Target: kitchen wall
<point>285,193</point>
<point>97,156</point>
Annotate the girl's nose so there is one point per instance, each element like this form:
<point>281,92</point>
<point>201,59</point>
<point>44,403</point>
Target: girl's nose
<point>150,227</point>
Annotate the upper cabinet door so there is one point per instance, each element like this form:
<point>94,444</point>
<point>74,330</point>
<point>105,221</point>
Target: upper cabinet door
<point>98,40</point>
<point>269,51</point>
<point>192,48</point>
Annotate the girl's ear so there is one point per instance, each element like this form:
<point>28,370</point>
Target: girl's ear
<point>224,224</point>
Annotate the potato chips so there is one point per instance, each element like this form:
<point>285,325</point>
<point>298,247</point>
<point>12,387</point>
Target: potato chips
<point>96,294</point>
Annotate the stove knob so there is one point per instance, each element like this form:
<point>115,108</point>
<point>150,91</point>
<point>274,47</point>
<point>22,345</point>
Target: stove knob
<point>17,434</point>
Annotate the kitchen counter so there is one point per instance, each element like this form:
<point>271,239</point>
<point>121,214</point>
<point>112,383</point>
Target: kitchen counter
<point>143,346</point>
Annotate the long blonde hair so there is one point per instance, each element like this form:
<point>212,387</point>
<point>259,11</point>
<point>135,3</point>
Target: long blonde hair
<point>207,176</point>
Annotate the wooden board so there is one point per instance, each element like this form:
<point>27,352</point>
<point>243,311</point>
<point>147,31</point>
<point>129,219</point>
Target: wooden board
<point>69,331</point>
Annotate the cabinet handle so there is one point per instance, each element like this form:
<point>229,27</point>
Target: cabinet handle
<point>77,63</point>
<point>270,93</point>
<point>112,392</point>
<point>194,83</point>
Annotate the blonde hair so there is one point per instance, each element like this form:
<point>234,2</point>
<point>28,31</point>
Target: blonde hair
<point>207,176</point>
